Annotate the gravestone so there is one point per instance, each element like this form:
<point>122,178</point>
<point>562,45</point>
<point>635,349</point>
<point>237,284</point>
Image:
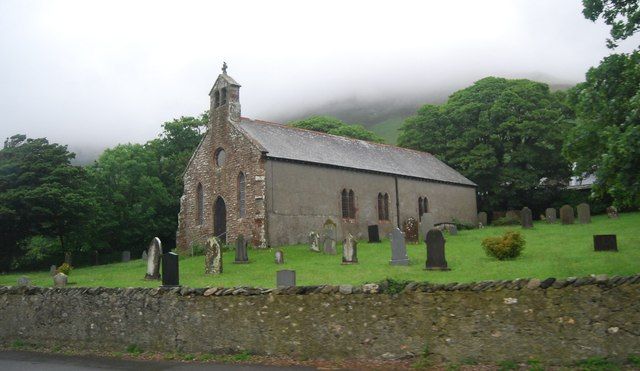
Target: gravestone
<point>329,237</point>
<point>242,256</point>
<point>213,256</point>
<point>349,250</point>
<point>398,248</point>
<point>126,256</point>
<point>170,270</point>
<point>374,233</point>
<point>426,223</point>
<point>435,251</point>
<point>60,280</point>
<point>279,257</point>
<point>314,241</point>
<point>605,242</point>
<point>566,214</point>
<point>154,253</point>
<point>145,256</point>
<point>512,214</point>
<point>453,230</point>
<point>482,218</point>
<point>285,278</point>
<point>410,229</point>
<point>584,213</point>
<point>551,215</point>
<point>526,218</point>
<point>53,270</point>
<point>24,281</point>
<point>612,212</point>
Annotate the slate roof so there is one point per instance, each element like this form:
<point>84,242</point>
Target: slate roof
<point>289,143</point>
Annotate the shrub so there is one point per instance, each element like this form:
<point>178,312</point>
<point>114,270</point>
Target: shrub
<point>505,221</point>
<point>393,286</point>
<point>197,250</point>
<point>509,246</point>
<point>65,268</point>
<point>462,225</point>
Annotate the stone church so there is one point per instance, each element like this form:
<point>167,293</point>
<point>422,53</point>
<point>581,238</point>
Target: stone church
<point>274,184</point>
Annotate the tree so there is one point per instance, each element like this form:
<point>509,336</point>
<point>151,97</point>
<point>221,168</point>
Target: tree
<point>505,135</point>
<point>606,138</point>
<point>622,15</point>
<point>331,125</point>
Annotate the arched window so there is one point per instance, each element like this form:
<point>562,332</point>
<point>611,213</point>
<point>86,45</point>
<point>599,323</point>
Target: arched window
<point>345,203</point>
<point>241,192</point>
<point>216,99</point>
<point>352,205</point>
<point>223,96</point>
<point>423,206</point>
<point>220,157</point>
<point>383,206</point>
<point>199,204</point>
<point>420,209</point>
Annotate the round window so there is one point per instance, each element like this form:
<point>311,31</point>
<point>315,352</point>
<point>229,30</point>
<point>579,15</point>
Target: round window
<point>221,156</point>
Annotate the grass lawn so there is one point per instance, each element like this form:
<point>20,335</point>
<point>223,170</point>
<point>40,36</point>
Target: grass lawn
<point>551,251</point>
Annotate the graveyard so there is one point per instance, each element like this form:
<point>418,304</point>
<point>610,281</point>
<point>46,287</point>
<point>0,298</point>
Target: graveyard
<point>551,250</point>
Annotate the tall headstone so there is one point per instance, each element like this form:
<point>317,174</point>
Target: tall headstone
<point>314,241</point>
<point>285,278</point>
<point>374,233</point>
<point>612,212</point>
<point>213,256</point>
<point>170,270</point>
<point>60,280</point>
<point>550,215</point>
<point>584,213</point>
<point>426,223</point>
<point>435,251</point>
<point>279,257</point>
<point>329,237</point>
<point>410,229</point>
<point>154,253</point>
<point>242,256</point>
<point>526,218</point>
<point>349,250</point>
<point>126,256</point>
<point>605,242</point>
<point>482,218</point>
<point>566,214</point>
<point>398,248</point>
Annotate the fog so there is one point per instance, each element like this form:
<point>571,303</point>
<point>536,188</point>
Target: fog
<point>100,73</point>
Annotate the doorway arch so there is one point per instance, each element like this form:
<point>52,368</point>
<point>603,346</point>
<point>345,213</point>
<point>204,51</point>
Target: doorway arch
<point>220,219</point>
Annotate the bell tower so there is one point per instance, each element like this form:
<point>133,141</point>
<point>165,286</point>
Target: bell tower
<point>225,98</point>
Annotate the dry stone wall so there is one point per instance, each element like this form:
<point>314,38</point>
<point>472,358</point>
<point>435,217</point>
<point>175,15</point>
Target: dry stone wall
<point>556,321</point>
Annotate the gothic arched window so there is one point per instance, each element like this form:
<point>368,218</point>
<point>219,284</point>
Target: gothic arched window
<point>348,199</point>
<point>220,157</point>
<point>352,205</point>
<point>199,204</point>
<point>383,206</point>
<point>241,193</point>
<point>423,206</point>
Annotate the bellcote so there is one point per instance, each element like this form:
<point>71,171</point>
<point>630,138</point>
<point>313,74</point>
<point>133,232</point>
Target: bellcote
<point>225,95</point>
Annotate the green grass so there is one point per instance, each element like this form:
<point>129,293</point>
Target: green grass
<point>550,251</point>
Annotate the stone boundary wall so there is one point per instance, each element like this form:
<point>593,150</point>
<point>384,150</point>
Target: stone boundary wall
<point>556,321</point>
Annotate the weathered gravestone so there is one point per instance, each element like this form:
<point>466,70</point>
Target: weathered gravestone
<point>605,242</point>
<point>126,256</point>
<point>213,256</point>
<point>374,233</point>
<point>170,270</point>
<point>145,256</point>
<point>550,215</point>
<point>453,229</point>
<point>314,241</point>
<point>60,280</point>
<point>242,256</point>
<point>398,248</point>
<point>24,281</point>
<point>279,257</point>
<point>410,229</point>
<point>53,270</point>
<point>566,214</point>
<point>482,218</point>
<point>512,214</point>
<point>329,237</point>
<point>426,224</point>
<point>154,253</point>
<point>435,251</point>
<point>612,212</point>
<point>349,250</point>
<point>285,278</point>
<point>584,213</point>
<point>526,218</point>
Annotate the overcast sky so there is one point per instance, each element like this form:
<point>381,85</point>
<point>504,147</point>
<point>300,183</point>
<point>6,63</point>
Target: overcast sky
<point>106,72</point>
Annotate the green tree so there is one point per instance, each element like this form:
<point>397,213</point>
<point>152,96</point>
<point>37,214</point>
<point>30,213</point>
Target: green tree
<point>622,15</point>
<point>606,138</point>
<point>332,125</point>
<point>505,135</point>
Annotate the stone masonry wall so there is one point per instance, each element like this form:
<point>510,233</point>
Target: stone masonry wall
<point>552,321</point>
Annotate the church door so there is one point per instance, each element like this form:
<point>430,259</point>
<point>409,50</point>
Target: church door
<point>220,220</point>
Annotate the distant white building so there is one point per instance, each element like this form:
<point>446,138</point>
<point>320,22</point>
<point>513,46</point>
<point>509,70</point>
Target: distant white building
<point>582,182</point>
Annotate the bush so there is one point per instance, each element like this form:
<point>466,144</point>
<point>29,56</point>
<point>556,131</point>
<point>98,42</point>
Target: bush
<point>65,268</point>
<point>505,221</point>
<point>462,225</point>
<point>509,246</point>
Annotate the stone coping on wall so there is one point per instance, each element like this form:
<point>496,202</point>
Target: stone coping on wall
<point>601,280</point>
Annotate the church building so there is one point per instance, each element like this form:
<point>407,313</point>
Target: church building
<point>274,184</point>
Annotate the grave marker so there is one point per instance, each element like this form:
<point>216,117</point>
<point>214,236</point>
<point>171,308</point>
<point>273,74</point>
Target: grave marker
<point>398,248</point>
<point>349,250</point>
<point>60,280</point>
<point>605,242</point>
<point>212,256</point>
<point>612,212</point>
<point>566,215</point>
<point>154,253</point>
<point>550,215</point>
<point>374,233</point>
<point>279,257</point>
<point>329,237</point>
<point>242,256</point>
<point>482,218</point>
<point>24,281</point>
<point>126,256</point>
<point>145,256</point>
<point>285,278</point>
<point>170,270</point>
<point>512,214</point>
<point>453,230</point>
<point>584,213</point>
<point>526,218</point>
<point>435,251</point>
<point>53,270</point>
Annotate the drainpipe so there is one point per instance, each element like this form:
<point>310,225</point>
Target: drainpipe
<point>395,178</point>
